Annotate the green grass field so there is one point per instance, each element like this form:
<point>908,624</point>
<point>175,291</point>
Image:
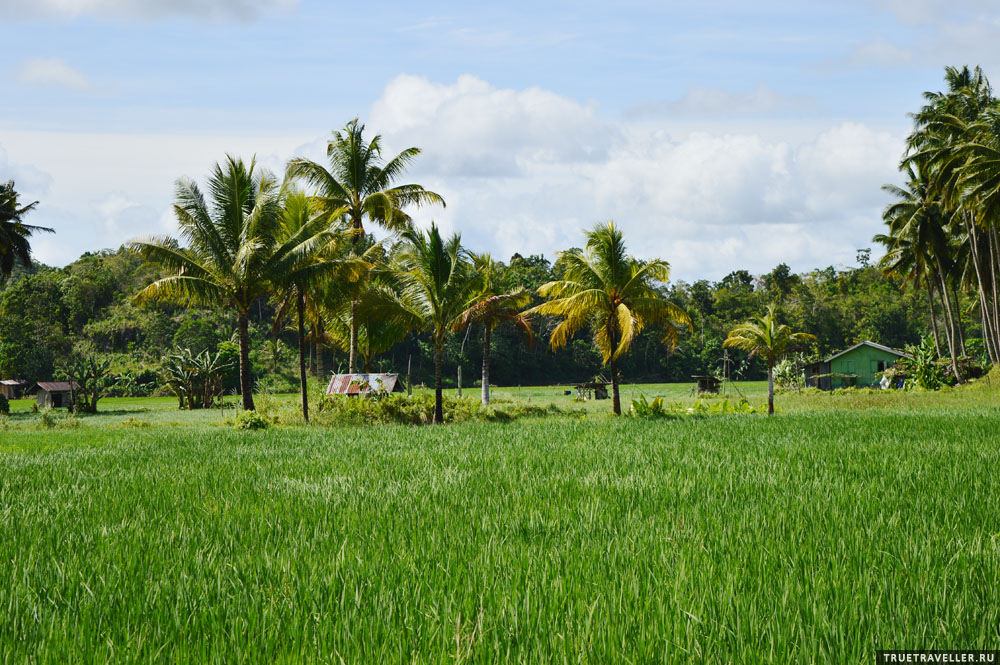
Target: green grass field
<point>844,524</point>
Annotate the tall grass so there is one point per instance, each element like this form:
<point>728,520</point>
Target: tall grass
<point>803,538</point>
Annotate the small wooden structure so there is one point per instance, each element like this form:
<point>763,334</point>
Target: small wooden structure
<point>592,390</point>
<point>13,388</point>
<point>364,384</point>
<point>54,394</point>
<point>707,384</point>
<point>860,365</point>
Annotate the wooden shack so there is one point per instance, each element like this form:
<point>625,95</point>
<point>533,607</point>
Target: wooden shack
<point>860,365</point>
<point>364,384</point>
<point>707,384</point>
<point>54,394</point>
<point>13,388</point>
<point>592,390</point>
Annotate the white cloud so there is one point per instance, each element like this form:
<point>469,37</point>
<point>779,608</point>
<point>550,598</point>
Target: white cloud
<point>937,11</point>
<point>524,171</point>
<point>146,9</point>
<point>701,101</point>
<point>707,202</point>
<point>879,52</point>
<point>51,72</point>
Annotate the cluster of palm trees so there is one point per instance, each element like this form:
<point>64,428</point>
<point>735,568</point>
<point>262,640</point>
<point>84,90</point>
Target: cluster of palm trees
<point>942,228</point>
<point>253,236</point>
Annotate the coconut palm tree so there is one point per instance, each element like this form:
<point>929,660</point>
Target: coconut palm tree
<point>322,266</point>
<point>766,338</point>
<point>361,185</point>
<point>234,251</point>
<point>495,303</point>
<point>438,282</point>
<point>612,293</point>
<point>14,233</point>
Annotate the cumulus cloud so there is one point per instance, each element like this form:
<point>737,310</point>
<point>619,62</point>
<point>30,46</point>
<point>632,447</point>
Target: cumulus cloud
<point>707,202</point>
<point>701,101</point>
<point>54,72</point>
<point>29,181</point>
<point>145,9</point>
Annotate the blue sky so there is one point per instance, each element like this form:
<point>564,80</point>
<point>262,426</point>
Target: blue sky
<point>724,135</point>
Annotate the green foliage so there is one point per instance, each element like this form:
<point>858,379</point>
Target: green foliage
<point>658,408</point>
<point>92,376</point>
<point>198,335</point>
<point>419,410</point>
<point>251,421</point>
<point>195,379</point>
<point>924,370</point>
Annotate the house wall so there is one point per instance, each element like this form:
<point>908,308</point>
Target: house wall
<point>865,362</point>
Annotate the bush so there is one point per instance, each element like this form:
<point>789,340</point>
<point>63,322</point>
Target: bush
<point>4,405</point>
<point>419,410</point>
<point>660,409</point>
<point>251,420</point>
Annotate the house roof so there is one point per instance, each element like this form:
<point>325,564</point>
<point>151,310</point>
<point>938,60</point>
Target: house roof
<point>362,384</point>
<point>871,344</point>
<point>13,382</point>
<point>55,386</point>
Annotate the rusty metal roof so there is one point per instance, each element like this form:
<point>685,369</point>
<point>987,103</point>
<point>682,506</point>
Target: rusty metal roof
<point>55,386</point>
<point>362,384</point>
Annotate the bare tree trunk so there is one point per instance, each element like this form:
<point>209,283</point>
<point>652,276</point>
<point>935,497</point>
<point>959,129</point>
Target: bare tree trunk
<point>409,382</point>
<point>352,360</point>
<point>438,395</point>
<point>487,333</point>
<point>461,358</point>
<point>246,381</point>
<point>301,304</point>
<point>984,308</point>
<point>994,272</point>
<point>958,322</point>
<point>616,402</point>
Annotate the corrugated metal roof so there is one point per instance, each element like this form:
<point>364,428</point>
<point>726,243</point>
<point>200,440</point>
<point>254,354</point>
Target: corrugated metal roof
<point>13,382</point>
<point>362,384</point>
<point>56,386</point>
<point>871,344</point>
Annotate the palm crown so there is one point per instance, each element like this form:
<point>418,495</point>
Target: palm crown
<point>14,233</point>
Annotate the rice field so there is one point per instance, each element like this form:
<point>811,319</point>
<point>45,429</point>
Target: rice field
<point>815,536</point>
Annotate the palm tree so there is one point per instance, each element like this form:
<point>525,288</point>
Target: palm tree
<point>302,219</point>
<point>234,253</point>
<point>612,293</point>
<point>494,303</point>
<point>360,184</point>
<point>438,282</point>
<point>766,338</point>
<point>14,233</point>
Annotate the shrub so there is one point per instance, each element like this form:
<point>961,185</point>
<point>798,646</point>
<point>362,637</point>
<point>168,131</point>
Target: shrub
<point>419,410</point>
<point>251,420</point>
<point>641,408</point>
<point>4,405</point>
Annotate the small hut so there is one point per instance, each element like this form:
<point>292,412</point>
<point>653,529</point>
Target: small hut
<point>707,384</point>
<point>54,394</point>
<point>364,384</point>
<point>13,388</point>
<point>592,390</point>
<point>861,365</point>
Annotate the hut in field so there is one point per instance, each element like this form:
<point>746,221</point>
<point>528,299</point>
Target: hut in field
<point>13,388</point>
<point>364,384</point>
<point>592,390</point>
<point>861,366</point>
<point>54,394</point>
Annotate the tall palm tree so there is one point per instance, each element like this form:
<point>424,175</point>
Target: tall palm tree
<point>362,185</point>
<point>321,266</point>
<point>234,254</point>
<point>495,303</point>
<point>612,293</point>
<point>438,282</point>
<point>14,233</point>
<point>765,337</point>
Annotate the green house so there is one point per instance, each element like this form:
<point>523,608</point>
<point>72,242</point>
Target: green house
<point>861,365</point>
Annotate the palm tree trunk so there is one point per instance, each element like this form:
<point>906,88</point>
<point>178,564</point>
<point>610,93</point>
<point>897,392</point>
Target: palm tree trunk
<point>352,361</point>
<point>320,333</point>
<point>486,364</point>
<point>616,402</point>
<point>993,280</point>
<point>950,323</point>
<point>301,303</point>
<point>246,382</point>
<point>438,395</point>
<point>770,389</point>
<point>934,328</point>
<point>958,320</point>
